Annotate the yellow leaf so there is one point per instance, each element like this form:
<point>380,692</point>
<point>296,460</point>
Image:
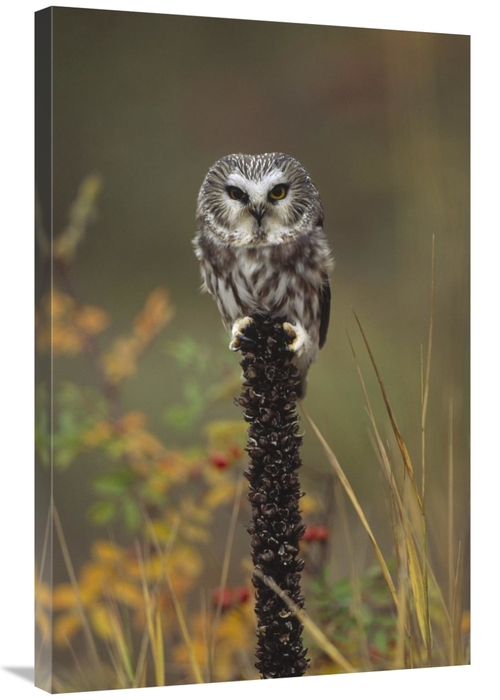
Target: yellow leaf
<point>465,622</point>
<point>192,512</point>
<point>127,593</point>
<point>219,494</point>
<point>309,504</point>
<point>93,574</point>
<point>224,433</point>
<point>107,551</point>
<point>161,530</point>
<point>133,568</point>
<point>64,597</point>
<point>142,443</point>
<point>43,622</point>
<point>65,627</point>
<point>58,305</point>
<point>184,567</point>
<point>158,483</point>
<point>102,621</point>
<point>90,187</point>
<point>154,569</point>
<point>234,629</point>
<point>193,533</point>
<point>42,594</point>
<point>182,655</point>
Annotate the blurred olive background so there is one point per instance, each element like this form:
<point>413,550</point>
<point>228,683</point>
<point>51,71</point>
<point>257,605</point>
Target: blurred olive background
<point>381,121</point>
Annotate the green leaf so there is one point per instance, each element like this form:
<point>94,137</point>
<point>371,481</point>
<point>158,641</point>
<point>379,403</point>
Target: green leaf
<point>64,456</point>
<point>380,641</point>
<point>116,484</point>
<point>188,353</point>
<point>180,416</point>
<point>342,592</point>
<point>102,513</point>
<point>152,495</point>
<point>366,615</point>
<point>131,514</point>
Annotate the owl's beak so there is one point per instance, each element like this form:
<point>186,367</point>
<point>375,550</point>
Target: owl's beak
<point>257,212</point>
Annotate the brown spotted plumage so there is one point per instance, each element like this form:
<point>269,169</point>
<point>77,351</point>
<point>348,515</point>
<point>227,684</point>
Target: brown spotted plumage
<point>262,249</point>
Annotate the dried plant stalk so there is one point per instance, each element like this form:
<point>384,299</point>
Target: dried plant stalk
<point>269,400</point>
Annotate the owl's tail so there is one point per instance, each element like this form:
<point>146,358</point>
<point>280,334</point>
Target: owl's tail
<point>302,388</point>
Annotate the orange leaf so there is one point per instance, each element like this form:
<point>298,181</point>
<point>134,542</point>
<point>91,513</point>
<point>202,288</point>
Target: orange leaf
<point>92,320</point>
<point>156,313</point>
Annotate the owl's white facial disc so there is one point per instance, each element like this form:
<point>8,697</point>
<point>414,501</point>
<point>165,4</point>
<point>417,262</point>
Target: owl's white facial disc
<point>256,219</point>
<point>256,201</point>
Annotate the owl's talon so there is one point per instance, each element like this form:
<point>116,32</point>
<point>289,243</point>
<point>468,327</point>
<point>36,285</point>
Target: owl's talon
<point>244,339</point>
<point>238,333</point>
<point>236,342</point>
<point>298,338</point>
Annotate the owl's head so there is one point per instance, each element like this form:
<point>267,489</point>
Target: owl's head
<point>258,200</point>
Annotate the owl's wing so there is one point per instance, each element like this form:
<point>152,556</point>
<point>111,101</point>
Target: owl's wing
<point>324,301</point>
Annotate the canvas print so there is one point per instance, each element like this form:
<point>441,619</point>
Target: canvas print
<point>252,350</point>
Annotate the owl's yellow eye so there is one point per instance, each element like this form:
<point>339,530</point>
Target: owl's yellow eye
<point>278,192</point>
<point>236,193</point>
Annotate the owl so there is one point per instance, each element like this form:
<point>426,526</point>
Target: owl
<point>262,249</point>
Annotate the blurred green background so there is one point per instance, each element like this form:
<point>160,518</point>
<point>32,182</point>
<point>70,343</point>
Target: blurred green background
<point>381,121</point>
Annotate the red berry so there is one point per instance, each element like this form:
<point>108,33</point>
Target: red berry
<point>242,594</point>
<point>222,597</point>
<point>310,533</point>
<point>219,460</point>
<point>322,533</point>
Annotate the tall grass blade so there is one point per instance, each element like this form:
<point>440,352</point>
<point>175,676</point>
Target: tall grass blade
<point>141,666</point>
<point>326,646</point>
<point>417,586</point>
<point>356,590</point>
<point>399,439</point>
<point>402,620</point>
<point>385,461</point>
<point>74,583</point>
<point>225,564</point>
<point>451,544</point>
<point>160,647</point>
<point>78,666</point>
<point>38,586</point>
<point>121,647</point>
<point>457,610</point>
<point>426,384</point>
<point>149,611</point>
<point>425,400</point>
<point>195,667</point>
<point>352,496</point>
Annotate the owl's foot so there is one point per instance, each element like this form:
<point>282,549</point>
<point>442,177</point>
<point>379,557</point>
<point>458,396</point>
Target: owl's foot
<point>238,333</point>
<point>298,338</point>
